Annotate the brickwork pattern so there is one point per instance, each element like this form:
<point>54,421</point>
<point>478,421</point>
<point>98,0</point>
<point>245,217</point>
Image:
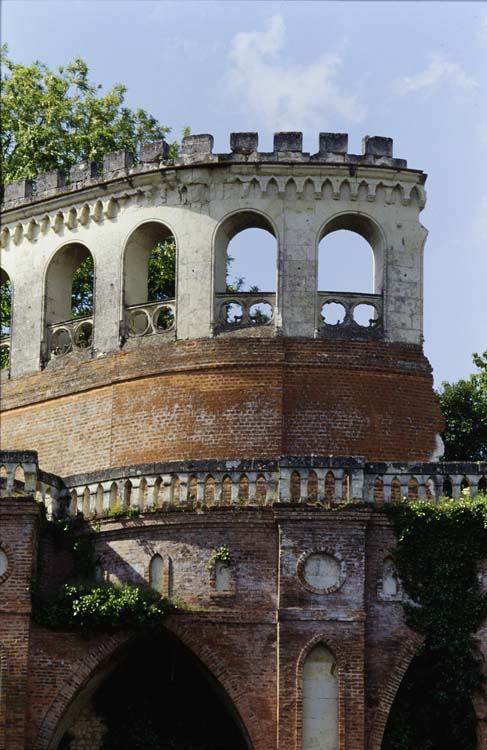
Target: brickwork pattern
<point>226,399</point>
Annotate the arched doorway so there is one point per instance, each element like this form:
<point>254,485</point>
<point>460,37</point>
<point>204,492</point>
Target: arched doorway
<point>157,696</point>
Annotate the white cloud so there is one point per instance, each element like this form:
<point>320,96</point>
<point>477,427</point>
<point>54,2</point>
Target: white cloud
<point>287,96</point>
<point>438,71</point>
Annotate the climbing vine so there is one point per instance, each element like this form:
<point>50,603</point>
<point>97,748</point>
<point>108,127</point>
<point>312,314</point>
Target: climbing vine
<point>440,546</point>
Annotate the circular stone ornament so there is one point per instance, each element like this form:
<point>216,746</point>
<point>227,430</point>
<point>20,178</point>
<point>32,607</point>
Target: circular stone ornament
<point>321,572</point>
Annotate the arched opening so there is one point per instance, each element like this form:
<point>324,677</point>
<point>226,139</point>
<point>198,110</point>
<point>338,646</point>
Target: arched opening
<point>227,490</point>
<point>423,716</point>
<point>158,493</point>
<point>295,487</point>
<point>390,579</point>
<point>156,573</point>
<point>143,703</point>
<point>350,275</point>
<point>245,271</point>
<point>209,490</point>
<point>5,319</point>
<point>99,500</point>
<point>149,280</point>
<point>261,489</point>
<point>69,298</point>
<point>243,488</point>
<point>312,488</point>
<point>320,700</point>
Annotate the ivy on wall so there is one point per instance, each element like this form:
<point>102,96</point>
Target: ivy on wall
<point>93,608</point>
<point>440,546</point>
<point>89,606</point>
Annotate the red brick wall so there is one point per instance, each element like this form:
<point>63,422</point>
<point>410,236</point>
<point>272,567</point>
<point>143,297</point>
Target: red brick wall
<point>227,398</point>
<point>253,640</point>
<point>18,539</point>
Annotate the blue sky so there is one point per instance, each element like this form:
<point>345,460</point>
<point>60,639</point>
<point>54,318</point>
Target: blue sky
<point>413,71</point>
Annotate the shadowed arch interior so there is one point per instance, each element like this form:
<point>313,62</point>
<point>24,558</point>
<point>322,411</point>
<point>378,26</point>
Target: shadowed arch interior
<point>143,703</point>
<point>421,718</point>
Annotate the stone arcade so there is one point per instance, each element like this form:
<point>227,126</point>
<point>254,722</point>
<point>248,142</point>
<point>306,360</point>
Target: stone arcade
<point>245,426</point>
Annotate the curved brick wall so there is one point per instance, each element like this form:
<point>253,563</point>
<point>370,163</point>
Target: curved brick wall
<point>227,398</point>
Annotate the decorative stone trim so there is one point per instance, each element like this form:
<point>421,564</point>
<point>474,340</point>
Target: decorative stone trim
<point>324,555</point>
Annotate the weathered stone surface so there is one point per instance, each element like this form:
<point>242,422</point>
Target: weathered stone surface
<point>53,180</point>
<point>154,152</point>
<point>333,143</point>
<point>288,141</point>
<point>194,145</point>
<point>83,171</point>
<point>376,145</point>
<point>17,190</point>
<point>117,160</point>
<point>244,143</point>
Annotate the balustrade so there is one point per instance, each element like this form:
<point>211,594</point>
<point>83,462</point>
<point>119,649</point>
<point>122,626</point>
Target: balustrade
<point>150,317</point>
<point>293,480</point>
<point>349,314</point>
<point>4,352</point>
<point>70,335</point>
<point>243,310</point>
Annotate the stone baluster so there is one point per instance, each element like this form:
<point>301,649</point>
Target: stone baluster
<point>106,495</point>
<point>421,487</point>
<point>338,474</point>
<point>93,488</point>
<point>284,490</point>
<point>252,477</point>
<point>235,487</point>
<point>200,488</point>
<point>456,481</point>
<point>183,487</point>
<point>167,485</point>
<point>404,482</point>
<point>356,484</point>
<point>473,480</point>
<point>134,500</point>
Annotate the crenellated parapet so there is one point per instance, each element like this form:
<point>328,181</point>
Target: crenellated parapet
<point>198,150</point>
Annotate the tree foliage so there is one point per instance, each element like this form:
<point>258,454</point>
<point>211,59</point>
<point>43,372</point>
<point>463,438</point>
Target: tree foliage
<point>464,406</point>
<point>52,119</point>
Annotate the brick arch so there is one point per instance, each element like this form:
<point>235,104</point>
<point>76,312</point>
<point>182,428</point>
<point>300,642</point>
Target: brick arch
<point>101,655</point>
<point>333,645</point>
<point>390,688</point>
<point>83,670</point>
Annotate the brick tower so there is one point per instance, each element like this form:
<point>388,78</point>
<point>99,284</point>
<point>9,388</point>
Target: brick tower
<point>214,418</point>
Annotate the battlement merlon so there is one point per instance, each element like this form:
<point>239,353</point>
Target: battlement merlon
<point>197,150</point>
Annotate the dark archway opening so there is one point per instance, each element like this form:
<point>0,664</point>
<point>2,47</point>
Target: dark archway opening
<point>160,697</point>
<point>423,716</point>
